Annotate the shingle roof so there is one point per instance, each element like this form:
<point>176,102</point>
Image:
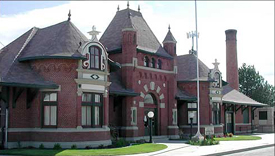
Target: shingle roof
<point>187,69</point>
<point>169,37</point>
<point>58,41</point>
<point>117,88</point>
<point>233,96</point>
<point>61,40</point>
<point>183,95</point>
<point>14,73</point>
<point>146,40</point>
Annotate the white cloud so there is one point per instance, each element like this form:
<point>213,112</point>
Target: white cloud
<point>254,22</point>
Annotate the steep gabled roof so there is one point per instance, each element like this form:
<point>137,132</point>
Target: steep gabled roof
<point>146,40</point>
<point>187,69</point>
<point>61,40</point>
<point>233,96</point>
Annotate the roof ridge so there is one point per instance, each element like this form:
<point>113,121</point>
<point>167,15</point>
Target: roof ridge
<point>77,31</point>
<point>33,32</point>
<point>154,35</point>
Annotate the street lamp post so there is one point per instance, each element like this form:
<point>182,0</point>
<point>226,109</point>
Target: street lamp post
<point>191,119</point>
<point>150,116</point>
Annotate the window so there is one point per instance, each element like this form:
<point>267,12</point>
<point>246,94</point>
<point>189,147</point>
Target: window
<point>192,109</point>
<point>153,63</point>
<point>175,116</point>
<point>146,61</point>
<point>159,64</point>
<point>93,62</point>
<point>216,113</point>
<point>134,116</point>
<point>49,106</point>
<point>91,110</point>
<point>148,99</point>
<point>262,115</point>
<point>246,116</point>
<point>217,79</point>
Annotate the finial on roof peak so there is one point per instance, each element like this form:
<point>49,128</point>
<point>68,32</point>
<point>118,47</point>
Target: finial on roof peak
<point>94,34</point>
<point>69,15</point>
<point>216,64</point>
<point>128,5</point>
<point>138,8</point>
<point>169,27</point>
<point>118,8</point>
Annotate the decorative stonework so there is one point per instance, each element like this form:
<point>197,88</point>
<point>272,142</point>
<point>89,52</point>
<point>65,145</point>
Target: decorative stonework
<point>161,97</point>
<point>158,89</point>
<point>141,104</point>
<point>54,67</point>
<point>152,85</point>
<point>145,88</point>
<point>162,105</point>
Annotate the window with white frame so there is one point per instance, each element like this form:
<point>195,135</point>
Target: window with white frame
<point>134,115</point>
<point>175,116</point>
<point>49,106</point>
<point>91,110</point>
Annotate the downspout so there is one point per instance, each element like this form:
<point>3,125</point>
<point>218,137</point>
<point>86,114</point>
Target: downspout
<point>6,132</point>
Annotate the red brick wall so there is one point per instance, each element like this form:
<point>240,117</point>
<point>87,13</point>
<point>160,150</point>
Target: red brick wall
<point>205,107</point>
<point>62,72</point>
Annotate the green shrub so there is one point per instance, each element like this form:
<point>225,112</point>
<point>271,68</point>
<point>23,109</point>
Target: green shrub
<point>74,146</point>
<point>57,146</point>
<point>41,146</point>
<point>121,143</point>
<point>100,146</point>
<point>203,142</point>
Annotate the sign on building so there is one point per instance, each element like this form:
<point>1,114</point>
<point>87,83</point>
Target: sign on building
<point>209,130</point>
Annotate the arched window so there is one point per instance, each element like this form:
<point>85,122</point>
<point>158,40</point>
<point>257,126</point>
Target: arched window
<point>148,99</point>
<point>95,54</point>
<point>159,64</point>
<point>146,61</point>
<point>153,63</point>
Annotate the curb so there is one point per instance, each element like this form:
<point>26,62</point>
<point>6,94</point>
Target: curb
<point>240,150</point>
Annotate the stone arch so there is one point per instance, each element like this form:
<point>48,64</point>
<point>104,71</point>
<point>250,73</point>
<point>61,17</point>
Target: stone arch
<point>155,90</point>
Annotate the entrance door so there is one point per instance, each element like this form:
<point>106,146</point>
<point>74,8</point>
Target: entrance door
<point>154,121</point>
<point>229,122</point>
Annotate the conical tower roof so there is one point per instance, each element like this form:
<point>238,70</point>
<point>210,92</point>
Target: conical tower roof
<point>127,18</point>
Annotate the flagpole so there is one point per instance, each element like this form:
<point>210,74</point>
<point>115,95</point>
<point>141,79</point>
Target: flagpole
<point>198,135</point>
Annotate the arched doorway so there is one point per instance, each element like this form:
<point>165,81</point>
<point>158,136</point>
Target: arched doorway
<point>150,104</point>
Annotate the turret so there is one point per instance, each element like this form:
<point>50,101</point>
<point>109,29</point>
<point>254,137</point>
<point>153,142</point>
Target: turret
<point>169,43</point>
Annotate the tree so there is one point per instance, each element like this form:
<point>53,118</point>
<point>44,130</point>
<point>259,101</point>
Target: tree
<point>254,85</point>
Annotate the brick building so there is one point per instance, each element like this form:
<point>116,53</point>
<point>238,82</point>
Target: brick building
<point>57,86</point>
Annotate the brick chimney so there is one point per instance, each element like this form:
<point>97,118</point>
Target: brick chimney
<point>232,75</point>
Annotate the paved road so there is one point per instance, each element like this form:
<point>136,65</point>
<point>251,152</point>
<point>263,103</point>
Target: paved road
<point>269,151</point>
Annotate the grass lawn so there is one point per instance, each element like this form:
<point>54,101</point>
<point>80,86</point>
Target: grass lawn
<point>239,138</point>
<point>136,149</point>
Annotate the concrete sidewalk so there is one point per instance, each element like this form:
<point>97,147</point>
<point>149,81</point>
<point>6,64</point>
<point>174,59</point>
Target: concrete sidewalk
<point>180,148</point>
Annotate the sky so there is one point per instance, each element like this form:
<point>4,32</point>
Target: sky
<point>253,20</point>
